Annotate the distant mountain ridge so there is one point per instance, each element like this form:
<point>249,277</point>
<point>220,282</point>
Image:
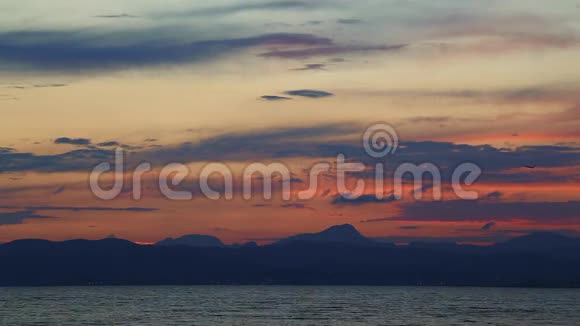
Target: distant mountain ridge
<point>337,255</point>
<point>349,235</point>
<point>345,233</point>
<point>540,240</point>
<point>337,234</point>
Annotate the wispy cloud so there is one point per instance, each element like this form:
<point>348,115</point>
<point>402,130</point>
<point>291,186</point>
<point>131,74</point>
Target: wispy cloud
<point>311,93</point>
<point>312,66</point>
<point>112,143</point>
<point>59,50</point>
<point>116,16</point>
<point>331,50</point>
<point>485,211</point>
<point>363,199</point>
<point>349,21</point>
<point>243,7</point>
<point>534,94</point>
<point>315,142</point>
<point>296,205</point>
<point>55,85</point>
<point>485,33</point>
<point>488,226</point>
<point>81,208</point>
<point>19,217</point>
<point>274,98</point>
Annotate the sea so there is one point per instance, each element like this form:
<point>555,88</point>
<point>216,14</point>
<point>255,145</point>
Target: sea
<point>287,305</point>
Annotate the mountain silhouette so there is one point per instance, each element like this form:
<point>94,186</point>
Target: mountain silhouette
<point>337,255</point>
<point>192,240</point>
<point>539,241</point>
<point>345,234</point>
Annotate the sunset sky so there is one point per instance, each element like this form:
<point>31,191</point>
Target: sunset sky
<point>493,82</point>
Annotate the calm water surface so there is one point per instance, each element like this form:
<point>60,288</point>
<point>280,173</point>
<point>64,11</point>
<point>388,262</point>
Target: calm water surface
<point>287,305</point>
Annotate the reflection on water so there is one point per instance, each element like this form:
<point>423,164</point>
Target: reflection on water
<point>287,305</point>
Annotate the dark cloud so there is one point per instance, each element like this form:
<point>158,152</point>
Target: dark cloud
<point>348,21</point>
<point>408,227</point>
<point>372,220</point>
<point>489,158</point>
<point>130,147</point>
<point>312,66</point>
<point>528,177</point>
<point>72,141</point>
<point>117,144</point>
<point>488,226</point>
<point>82,208</point>
<point>487,211</point>
<point>331,50</point>
<point>18,217</point>
<point>150,140</point>
<point>293,180</point>
<point>15,190</point>
<point>363,199</point>
<point>246,6</point>
<point>269,143</point>
<point>109,144</point>
<point>6,150</point>
<point>321,142</point>
<point>83,159</point>
<point>54,50</point>
<point>274,98</point>
<point>296,205</point>
<point>309,93</point>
